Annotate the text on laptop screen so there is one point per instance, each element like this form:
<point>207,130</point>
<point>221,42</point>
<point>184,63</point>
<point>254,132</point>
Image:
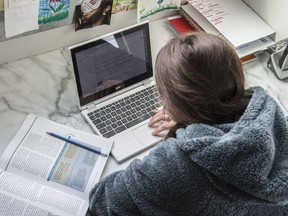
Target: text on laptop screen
<point>112,63</point>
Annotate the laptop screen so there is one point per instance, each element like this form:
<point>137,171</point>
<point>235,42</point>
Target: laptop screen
<point>111,63</point>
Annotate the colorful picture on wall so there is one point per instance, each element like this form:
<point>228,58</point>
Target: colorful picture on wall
<point>123,5</point>
<point>90,13</point>
<point>146,8</point>
<point>53,10</point>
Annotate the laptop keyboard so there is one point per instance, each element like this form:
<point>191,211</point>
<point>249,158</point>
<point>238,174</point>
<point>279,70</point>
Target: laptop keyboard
<point>125,113</point>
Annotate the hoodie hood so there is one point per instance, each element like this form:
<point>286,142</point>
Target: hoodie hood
<point>247,160</point>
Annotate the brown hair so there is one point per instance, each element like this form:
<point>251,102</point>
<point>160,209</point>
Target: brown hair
<point>200,79</point>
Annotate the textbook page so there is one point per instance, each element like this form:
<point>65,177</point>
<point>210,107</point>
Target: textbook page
<point>39,157</point>
<point>234,19</point>
<point>21,196</point>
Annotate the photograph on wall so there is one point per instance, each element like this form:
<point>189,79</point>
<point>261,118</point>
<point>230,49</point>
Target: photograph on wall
<point>90,13</point>
<point>147,8</point>
<point>123,5</point>
<point>53,10</point>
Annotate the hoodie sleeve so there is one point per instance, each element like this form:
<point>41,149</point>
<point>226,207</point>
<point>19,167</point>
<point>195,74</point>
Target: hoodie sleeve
<point>152,186</point>
<point>114,195</point>
<point>129,191</point>
<point>110,196</point>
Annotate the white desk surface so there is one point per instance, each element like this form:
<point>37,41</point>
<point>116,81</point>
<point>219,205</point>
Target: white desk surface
<point>44,85</point>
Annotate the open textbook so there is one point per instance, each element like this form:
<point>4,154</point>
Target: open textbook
<point>43,175</point>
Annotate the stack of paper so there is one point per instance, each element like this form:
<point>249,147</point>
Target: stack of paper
<point>233,19</point>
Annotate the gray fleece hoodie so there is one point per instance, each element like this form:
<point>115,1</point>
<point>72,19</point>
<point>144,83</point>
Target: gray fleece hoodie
<point>239,168</point>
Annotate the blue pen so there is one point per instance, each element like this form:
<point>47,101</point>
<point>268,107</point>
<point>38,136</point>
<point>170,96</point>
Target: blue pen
<point>77,143</point>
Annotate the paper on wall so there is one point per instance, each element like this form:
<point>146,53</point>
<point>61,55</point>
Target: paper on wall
<point>147,8</point>
<point>17,3</point>
<point>20,17</point>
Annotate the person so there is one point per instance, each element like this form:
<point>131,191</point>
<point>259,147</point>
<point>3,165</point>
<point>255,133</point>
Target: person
<point>226,152</point>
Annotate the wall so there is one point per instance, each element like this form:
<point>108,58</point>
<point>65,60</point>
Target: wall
<point>274,12</point>
<point>56,38</point>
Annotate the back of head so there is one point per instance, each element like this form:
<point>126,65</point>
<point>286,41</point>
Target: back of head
<point>200,79</point>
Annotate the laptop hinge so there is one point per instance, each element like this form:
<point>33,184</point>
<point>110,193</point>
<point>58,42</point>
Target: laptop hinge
<point>146,82</point>
<point>91,106</point>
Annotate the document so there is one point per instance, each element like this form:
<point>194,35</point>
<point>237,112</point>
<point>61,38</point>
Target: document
<point>20,16</point>
<point>234,19</point>
<point>198,17</point>
<point>43,175</point>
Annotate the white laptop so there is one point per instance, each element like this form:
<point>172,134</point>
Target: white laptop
<point>114,78</point>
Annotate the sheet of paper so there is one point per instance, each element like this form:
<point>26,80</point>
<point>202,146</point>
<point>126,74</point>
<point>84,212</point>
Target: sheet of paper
<point>20,196</point>
<point>234,19</point>
<point>34,154</point>
<point>17,3</point>
<point>147,8</point>
<point>198,17</point>
<point>20,19</point>
<point>258,45</point>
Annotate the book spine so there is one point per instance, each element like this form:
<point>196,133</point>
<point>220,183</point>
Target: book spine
<point>194,24</point>
<point>190,20</point>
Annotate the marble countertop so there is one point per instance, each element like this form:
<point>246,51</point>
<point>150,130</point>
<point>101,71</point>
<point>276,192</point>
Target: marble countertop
<point>44,85</point>
<point>258,74</point>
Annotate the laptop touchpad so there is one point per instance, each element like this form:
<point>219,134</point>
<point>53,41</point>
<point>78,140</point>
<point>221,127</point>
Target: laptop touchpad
<point>144,135</point>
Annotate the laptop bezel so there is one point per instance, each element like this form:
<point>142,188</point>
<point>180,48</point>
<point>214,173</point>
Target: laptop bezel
<point>88,100</point>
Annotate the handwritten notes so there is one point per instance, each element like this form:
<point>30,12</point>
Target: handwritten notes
<point>234,19</point>
<point>214,11</point>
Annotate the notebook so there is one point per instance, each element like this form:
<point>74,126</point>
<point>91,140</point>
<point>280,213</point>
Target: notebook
<point>117,95</point>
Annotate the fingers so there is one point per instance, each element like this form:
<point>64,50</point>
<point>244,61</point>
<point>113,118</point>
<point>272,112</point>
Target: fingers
<point>165,127</point>
<point>162,122</point>
<point>160,115</point>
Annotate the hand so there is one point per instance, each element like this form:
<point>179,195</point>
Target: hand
<point>87,17</point>
<point>162,122</point>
